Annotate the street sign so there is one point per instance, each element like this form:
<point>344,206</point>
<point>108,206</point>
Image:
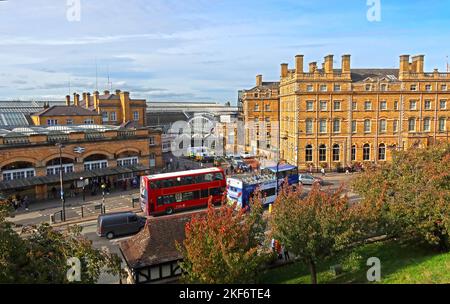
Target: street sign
<point>79,150</point>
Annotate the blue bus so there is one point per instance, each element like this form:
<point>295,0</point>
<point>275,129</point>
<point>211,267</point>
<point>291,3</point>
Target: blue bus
<point>240,189</point>
<point>284,171</point>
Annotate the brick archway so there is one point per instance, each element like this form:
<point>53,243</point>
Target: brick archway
<point>118,152</point>
<point>56,155</point>
<point>30,160</point>
<point>106,153</point>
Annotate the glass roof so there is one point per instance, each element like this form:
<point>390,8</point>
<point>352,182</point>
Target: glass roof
<point>26,131</point>
<point>13,119</point>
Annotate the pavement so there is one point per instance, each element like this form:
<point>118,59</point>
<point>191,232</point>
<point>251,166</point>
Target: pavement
<point>76,208</point>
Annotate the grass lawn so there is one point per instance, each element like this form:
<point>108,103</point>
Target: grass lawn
<point>400,263</point>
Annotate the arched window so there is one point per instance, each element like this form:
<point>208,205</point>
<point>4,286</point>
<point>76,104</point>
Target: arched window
<point>366,152</point>
<point>322,153</point>
<point>18,170</point>
<point>309,153</point>
<point>354,153</point>
<point>382,152</point>
<point>336,152</point>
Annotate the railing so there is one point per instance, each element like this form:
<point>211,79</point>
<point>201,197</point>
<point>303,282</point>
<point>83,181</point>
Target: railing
<point>123,134</point>
<point>22,140</point>
<point>93,136</point>
<point>58,138</point>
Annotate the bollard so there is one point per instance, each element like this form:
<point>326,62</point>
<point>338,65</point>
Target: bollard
<point>270,208</point>
<point>82,211</point>
<point>52,218</point>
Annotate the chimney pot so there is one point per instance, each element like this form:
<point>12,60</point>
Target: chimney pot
<point>67,100</point>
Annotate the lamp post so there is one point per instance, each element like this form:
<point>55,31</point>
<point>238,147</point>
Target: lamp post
<point>63,201</point>
<point>103,196</point>
<point>82,182</point>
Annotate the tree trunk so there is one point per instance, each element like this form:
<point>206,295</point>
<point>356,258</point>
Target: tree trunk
<point>312,269</point>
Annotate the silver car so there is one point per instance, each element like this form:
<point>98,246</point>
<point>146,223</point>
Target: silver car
<point>307,179</point>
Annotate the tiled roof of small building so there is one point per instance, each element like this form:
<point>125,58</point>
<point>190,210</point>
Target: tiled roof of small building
<point>155,244</point>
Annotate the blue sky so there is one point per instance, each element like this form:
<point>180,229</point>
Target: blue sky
<point>201,50</point>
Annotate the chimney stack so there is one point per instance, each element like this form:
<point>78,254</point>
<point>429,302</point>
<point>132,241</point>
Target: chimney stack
<point>312,67</point>
<point>346,64</point>
<point>418,63</point>
<point>259,80</point>
<point>284,70</point>
<point>76,99</point>
<point>88,100</point>
<point>404,64</point>
<point>67,100</point>
<point>299,64</point>
<point>328,67</point>
<point>96,99</point>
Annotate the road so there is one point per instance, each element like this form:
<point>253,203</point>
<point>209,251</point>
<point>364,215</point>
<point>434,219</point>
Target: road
<point>89,231</point>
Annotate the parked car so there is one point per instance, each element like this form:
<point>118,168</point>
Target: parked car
<point>307,179</point>
<point>115,224</point>
<point>247,155</point>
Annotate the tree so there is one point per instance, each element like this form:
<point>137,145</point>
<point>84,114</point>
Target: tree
<point>41,256</point>
<point>225,246</point>
<point>316,227</point>
<point>411,195</point>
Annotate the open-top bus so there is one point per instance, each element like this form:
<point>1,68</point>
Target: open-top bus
<point>169,192</point>
<point>240,188</point>
<point>284,171</point>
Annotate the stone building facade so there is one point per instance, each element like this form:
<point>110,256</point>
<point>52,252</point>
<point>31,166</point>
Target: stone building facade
<point>260,106</point>
<point>338,117</point>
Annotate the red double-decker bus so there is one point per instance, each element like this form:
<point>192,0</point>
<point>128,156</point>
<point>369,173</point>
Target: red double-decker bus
<point>168,192</point>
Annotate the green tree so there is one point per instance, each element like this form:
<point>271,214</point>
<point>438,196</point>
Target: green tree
<point>225,246</point>
<point>410,196</point>
<point>316,227</point>
<point>41,255</point>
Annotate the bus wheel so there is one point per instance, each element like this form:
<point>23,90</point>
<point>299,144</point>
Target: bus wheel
<point>169,211</point>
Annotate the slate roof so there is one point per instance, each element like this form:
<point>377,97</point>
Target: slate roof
<point>266,85</point>
<point>361,74</point>
<point>66,111</point>
<point>155,244</point>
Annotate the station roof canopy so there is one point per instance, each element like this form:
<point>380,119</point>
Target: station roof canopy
<point>44,180</point>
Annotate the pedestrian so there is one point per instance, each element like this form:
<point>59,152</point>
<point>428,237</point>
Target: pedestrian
<point>26,202</point>
<point>323,171</point>
<point>54,192</point>
<point>285,253</point>
<point>278,249</point>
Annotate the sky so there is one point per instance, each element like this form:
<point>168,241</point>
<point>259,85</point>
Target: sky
<point>201,50</point>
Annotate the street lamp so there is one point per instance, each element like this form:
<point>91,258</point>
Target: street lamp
<point>63,201</point>
<point>82,182</point>
<point>103,195</point>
